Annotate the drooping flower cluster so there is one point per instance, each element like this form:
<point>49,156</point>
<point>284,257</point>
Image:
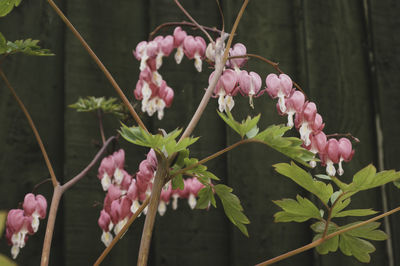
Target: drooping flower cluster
<point>124,192</point>
<point>23,222</point>
<point>309,123</point>
<point>234,81</point>
<point>151,89</point>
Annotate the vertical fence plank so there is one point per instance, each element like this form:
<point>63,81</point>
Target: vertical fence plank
<point>268,28</point>
<point>112,29</point>
<point>338,81</point>
<point>39,83</point>
<point>184,236</point>
<point>385,21</point>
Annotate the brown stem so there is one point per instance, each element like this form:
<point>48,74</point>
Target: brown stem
<point>121,233</point>
<point>99,64</point>
<point>57,193</point>
<point>273,64</point>
<point>321,240</point>
<point>328,220</point>
<point>344,135</point>
<point>35,132</point>
<point>194,21</point>
<point>55,201</point>
<point>100,119</point>
<point>162,171</point>
<point>36,187</point>
<point>221,13</point>
<point>183,23</point>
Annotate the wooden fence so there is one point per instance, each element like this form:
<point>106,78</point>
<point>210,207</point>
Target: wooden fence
<point>345,55</point>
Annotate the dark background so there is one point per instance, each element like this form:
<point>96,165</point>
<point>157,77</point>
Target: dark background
<point>344,54</point>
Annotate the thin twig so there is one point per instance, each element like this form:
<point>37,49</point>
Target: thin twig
<point>344,135</point>
<point>122,232</point>
<point>99,64</point>
<point>100,119</point>
<point>194,21</point>
<point>79,176</point>
<point>36,187</point>
<point>183,23</point>
<point>321,240</point>
<point>221,13</point>
<point>35,131</point>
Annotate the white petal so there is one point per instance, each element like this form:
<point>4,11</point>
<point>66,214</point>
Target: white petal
<point>179,55</point>
<point>192,201</point>
<point>135,206</point>
<point>162,208</point>
<point>197,62</point>
<point>175,201</point>
<point>290,119</point>
<point>105,182</point>
<point>229,102</point>
<point>340,169</point>
<point>14,251</point>
<point>106,238</point>
<point>118,176</point>
<point>159,60</point>
<point>330,169</point>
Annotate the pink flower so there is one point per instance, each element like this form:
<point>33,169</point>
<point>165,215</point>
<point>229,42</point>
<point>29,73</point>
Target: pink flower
<point>106,225</point>
<point>194,187</point>
<point>331,156</point>
<point>346,153</point>
<point>250,84</point>
<point>304,121</point>
<point>35,207</point>
<point>165,196</point>
<point>279,87</point>
<point>294,104</point>
<point>237,50</point>
<point>18,226</point>
<point>179,37</point>
<point>165,45</point>
<point>225,89</point>
<point>194,48</point>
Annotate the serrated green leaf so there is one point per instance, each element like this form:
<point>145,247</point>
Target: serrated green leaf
<point>330,245</point>
<point>177,182</point>
<point>302,178</point>
<point>319,227</point>
<point>367,178</point>
<point>339,206</point>
<point>232,207</point>
<point>6,6</point>
<point>397,183</point>
<point>206,197</point>
<point>368,231</point>
<point>289,146</point>
<point>250,124</point>
<point>3,218</point>
<point>107,106</point>
<point>5,261</point>
<point>252,132</point>
<point>28,47</point>
<point>355,212</point>
<point>299,210</point>
<point>357,247</point>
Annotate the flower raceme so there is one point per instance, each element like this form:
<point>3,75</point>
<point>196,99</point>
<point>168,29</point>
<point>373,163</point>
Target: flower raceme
<point>125,193</point>
<point>23,222</point>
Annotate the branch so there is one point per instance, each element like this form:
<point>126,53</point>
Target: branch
<point>194,21</point>
<point>122,232</point>
<point>35,132</point>
<point>100,119</point>
<point>183,23</point>
<point>99,64</point>
<point>321,240</point>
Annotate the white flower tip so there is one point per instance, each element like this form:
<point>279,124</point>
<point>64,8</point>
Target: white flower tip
<point>14,251</point>
<point>198,63</point>
<point>106,238</point>
<point>179,55</point>
<point>105,182</point>
<point>175,203</point>
<point>313,164</point>
<point>162,208</point>
<point>192,201</point>
<point>330,169</point>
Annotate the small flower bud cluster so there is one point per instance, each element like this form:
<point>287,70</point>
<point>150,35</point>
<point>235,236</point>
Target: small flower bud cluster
<point>23,222</point>
<point>234,80</point>
<point>309,123</point>
<point>151,89</point>
<point>124,193</point>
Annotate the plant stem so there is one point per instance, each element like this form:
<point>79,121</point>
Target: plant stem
<point>183,23</point>
<point>194,21</point>
<point>35,132</point>
<point>100,119</point>
<point>99,64</point>
<point>55,201</point>
<point>122,232</point>
<point>162,171</point>
<point>57,194</point>
<point>321,240</point>
<point>344,135</point>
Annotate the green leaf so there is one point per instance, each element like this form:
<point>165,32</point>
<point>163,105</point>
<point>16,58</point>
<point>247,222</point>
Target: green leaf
<point>5,261</point>
<point>28,47</point>
<point>206,197</point>
<point>367,231</point>
<point>330,245</point>
<point>357,247</point>
<point>247,126</point>
<point>397,183</point>
<point>177,182</point>
<point>339,206</point>
<point>289,146</point>
<point>6,6</point>
<point>302,178</point>
<point>367,178</point>
<point>232,207</point>
<point>3,44</point>
<point>299,210</point>
<point>356,212</point>
<point>107,106</point>
<point>3,218</point>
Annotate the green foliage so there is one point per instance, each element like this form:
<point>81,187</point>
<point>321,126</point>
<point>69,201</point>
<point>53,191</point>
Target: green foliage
<point>165,144</point>
<point>397,183</point>
<point>289,146</point>
<point>351,243</point>
<point>248,126</point>
<point>107,106</point>
<point>302,178</point>
<point>299,210</point>
<point>4,260</point>
<point>206,197</point>
<point>6,6</point>
<point>232,207</point>
<point>28,47</point>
